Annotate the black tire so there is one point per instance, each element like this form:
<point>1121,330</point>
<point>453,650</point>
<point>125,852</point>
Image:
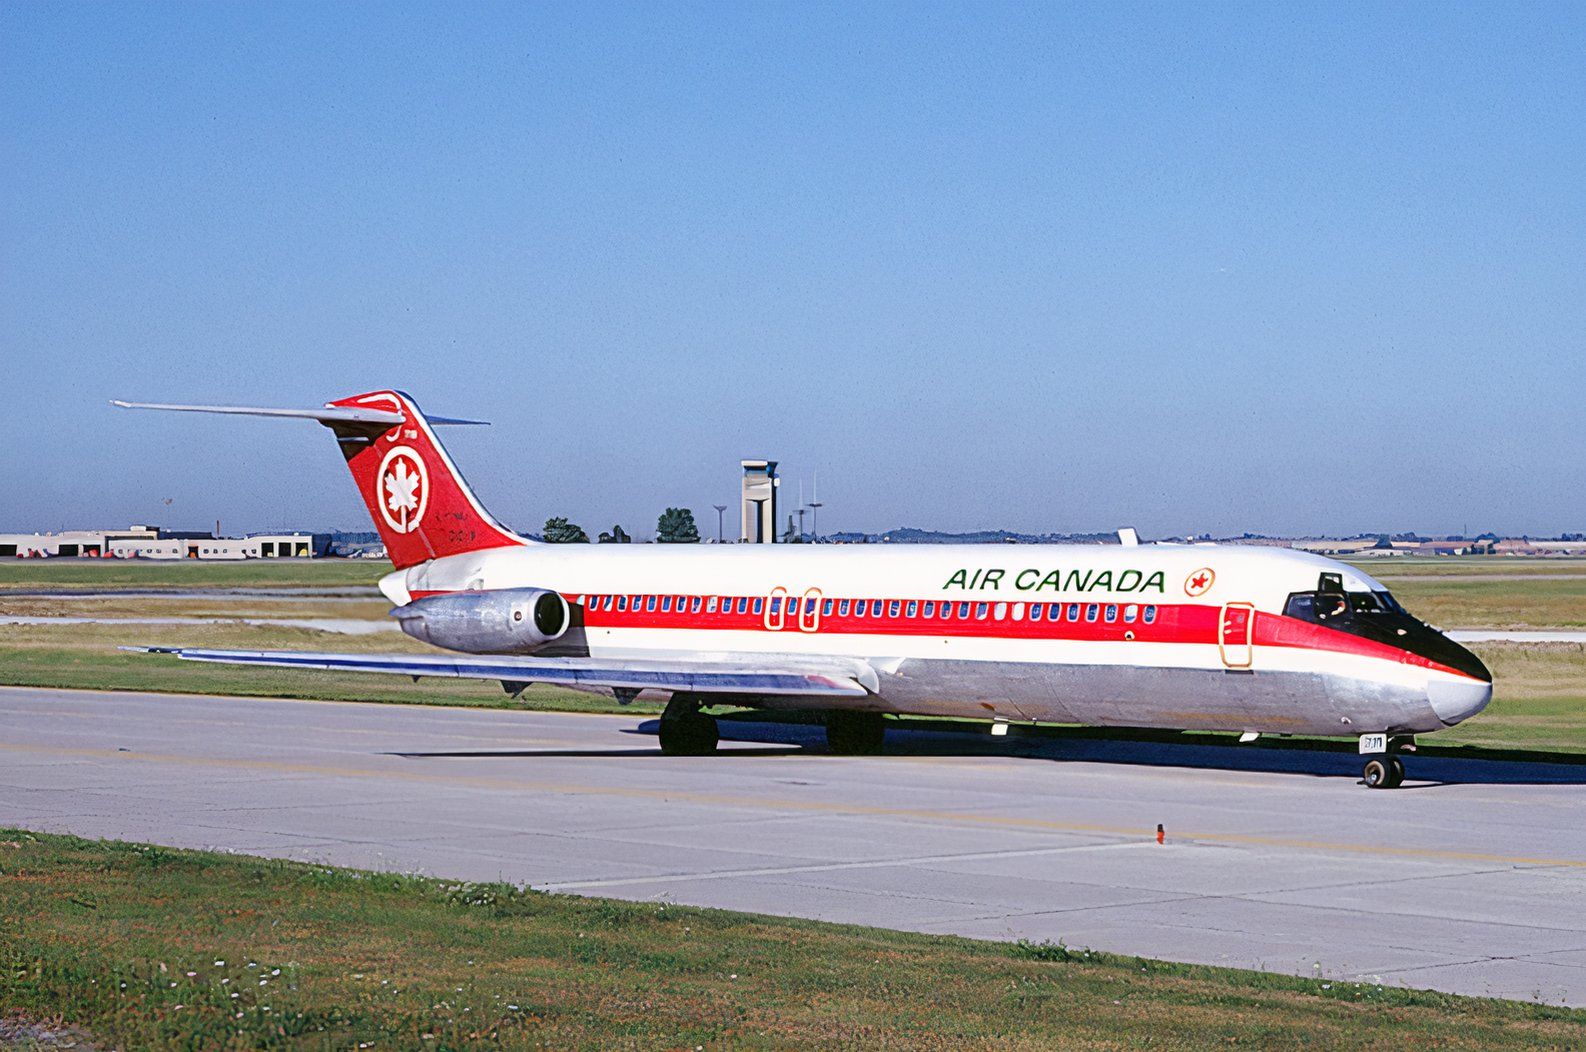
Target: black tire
<point>1385,772</point>
<point>685,731</point>
<point>855,733</point>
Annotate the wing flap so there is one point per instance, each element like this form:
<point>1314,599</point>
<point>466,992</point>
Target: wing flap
<point>701,677</point>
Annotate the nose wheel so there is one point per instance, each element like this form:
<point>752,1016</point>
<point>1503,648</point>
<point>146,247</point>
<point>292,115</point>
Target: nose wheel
<point>1383,769</point>
<point>1383,772</point>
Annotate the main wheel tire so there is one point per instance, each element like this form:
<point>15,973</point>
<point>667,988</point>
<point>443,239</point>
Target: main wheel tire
<point>1378,773</point>
<point>855,733</point>
<point>1395,773</point>
<point>685,731</point>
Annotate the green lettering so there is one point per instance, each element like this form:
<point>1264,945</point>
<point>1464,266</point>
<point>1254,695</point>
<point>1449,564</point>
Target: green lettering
<point>1076,583</point>
<point>1154,581</point>
<point>1053,580</point>
<point>956,580</point>
<point>993,579</point>
<point>1103,581</point>
<point>1130,585</point>
<point>1019,581</point>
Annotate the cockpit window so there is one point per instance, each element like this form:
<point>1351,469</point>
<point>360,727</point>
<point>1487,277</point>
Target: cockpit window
<point>1377,616</point>
<point>1323,607</point>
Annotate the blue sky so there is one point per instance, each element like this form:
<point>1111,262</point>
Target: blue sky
<point>1269,267</point>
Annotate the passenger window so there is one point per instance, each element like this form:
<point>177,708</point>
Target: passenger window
<point>1112,612</point>
<point>896,606</point>
<point>1150,615</point>
<point>1056,612</point>
<point>947,611</point>
<point>759,606</point>
<point>1073,611</point>
<point>914,608</point>
<point>710,607</point>
<point>980,611</point>
<point>1130,612</point>
<point>963,611</point>
<point>842,608</point>
<point>1091,611</point>
<point>743,604</point>
<point>826,608</point>
<point>1037,611</point>
<point>695,605</point>
<point>930,608</point>
<point>859,608</point>
<point>1000,611</point>
<point>649,604</point>
<point>666,604</point>
<point>1018,611</point>
<point>776,604</point>
<point>622,602</point>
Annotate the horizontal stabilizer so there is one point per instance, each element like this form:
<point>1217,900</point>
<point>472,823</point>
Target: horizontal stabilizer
<point>701,677</point>
<point>327,415</point>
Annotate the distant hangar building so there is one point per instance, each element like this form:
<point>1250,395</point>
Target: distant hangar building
<point>149,542</point>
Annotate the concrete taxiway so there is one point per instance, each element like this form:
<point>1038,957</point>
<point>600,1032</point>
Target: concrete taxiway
<point>1471,879</point>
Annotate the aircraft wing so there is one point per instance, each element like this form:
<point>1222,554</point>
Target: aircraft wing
<point>840,679</point>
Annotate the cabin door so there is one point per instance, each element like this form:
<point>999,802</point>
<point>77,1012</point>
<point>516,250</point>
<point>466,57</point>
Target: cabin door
<point>1236,633</point>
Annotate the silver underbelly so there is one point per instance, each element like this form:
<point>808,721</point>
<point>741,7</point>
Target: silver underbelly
<point>1273,702</point>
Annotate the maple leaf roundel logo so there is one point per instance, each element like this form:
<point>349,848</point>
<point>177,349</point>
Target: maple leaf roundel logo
<point>403,489</point>
<point>1199,582</point>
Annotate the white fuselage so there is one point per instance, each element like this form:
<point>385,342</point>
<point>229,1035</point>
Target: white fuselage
<point>1181,636</point>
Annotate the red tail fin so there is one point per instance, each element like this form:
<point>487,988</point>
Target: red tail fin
<point>419,503</point>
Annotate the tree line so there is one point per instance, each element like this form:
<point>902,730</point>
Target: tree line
<point>675,526</point>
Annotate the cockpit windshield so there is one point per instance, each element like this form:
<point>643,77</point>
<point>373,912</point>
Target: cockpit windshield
<point>1377,616</point>
<point>1327,607</point>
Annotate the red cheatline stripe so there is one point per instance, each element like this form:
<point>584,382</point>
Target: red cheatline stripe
<point>1188,623</point>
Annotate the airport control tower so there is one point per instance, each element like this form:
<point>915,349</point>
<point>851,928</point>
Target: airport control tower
<point>759,502</point>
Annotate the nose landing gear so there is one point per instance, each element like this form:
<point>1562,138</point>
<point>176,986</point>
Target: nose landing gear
<point>1383,769</point>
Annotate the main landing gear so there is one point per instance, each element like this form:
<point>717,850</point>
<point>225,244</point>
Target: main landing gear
<point>688,731</point>
<point>685,730</point>
<point>1383,769</point>
<point>854,733</point>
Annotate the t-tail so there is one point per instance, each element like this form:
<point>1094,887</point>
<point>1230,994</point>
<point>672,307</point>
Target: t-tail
<point>420,504</point>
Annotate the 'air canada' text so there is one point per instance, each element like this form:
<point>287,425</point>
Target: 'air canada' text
<point>1033,580</point>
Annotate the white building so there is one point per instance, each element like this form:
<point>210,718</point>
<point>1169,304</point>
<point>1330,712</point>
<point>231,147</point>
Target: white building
<point>145,542</point>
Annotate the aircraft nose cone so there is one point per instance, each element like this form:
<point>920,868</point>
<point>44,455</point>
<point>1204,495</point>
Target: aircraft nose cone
<point>1458,700</point>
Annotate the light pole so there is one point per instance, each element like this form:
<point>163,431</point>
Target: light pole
<point>815,521</point>
<point>720,509</point>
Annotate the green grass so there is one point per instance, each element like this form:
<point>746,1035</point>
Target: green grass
<point>150,947</point>
<point>1539,700</point>
<point>191,573</point>
<point>85,657</point>
<point>1533,602</point>
<point>1467,565</point>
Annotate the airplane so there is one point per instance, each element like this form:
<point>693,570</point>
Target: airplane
<point>1176,636</point>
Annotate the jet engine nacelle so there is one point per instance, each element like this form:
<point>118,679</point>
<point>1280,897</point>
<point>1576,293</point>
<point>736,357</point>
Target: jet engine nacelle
<point>508,621</point>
